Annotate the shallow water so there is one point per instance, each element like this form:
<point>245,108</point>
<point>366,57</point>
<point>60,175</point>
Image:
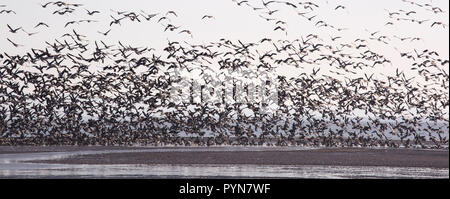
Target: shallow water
<point>18,166</point>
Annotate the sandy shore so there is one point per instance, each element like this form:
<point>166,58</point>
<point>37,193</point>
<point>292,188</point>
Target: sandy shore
<point>191,156</point>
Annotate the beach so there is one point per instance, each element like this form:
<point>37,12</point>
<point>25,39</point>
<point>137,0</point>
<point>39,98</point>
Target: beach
<point>218,162</point>
<point>336,157</point>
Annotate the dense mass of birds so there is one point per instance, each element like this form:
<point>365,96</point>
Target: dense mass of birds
<point>75,91</point>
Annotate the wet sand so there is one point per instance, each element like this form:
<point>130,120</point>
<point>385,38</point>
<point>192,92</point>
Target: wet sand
<point>333,157</point>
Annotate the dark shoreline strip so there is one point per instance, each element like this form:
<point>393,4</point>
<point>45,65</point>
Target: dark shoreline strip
<point>348,157</point>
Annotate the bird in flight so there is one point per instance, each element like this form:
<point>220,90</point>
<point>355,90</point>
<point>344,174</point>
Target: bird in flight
<point>7,11</point>
<point>267,3</point>
<point>12,29</point>
<point>289,4</point>
<point>92,12</point>
<point>30,34</point>
<point>411,12</point>
<point>148,16</point>
<point>267,19</point>
<point>105,33</point>
<point>422,21</point>
<point>272,12</point>
<point>41,24</point>
<point>70,23</point>
<point>115,21</point>
<point>186,31</point>
<point>163,18</point>
<point>439,23</point>
<point>335,38</point>
<point>172,12</point>
<point>207,17</point>
<point>46,4</point>
<point>279,28</point>
<point>241,2</point>
<point>13,43</point>
<point>340,6</point>
<point>171,27</point>
<point>311,18</point>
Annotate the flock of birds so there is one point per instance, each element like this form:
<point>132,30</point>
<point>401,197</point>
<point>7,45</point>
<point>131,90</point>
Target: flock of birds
<point>78,92</point>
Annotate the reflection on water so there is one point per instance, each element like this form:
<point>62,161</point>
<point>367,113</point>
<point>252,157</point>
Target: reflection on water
<point>14,166</point>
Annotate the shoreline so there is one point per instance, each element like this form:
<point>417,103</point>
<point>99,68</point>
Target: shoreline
<point>246,156</point>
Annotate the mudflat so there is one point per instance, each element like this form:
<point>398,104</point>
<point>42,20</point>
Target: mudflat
<point>267,156</point>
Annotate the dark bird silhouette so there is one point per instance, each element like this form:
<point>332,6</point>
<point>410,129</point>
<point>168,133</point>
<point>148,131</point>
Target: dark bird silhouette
<point>267,19</point>
<point>439,23</point>
<point>172,12</point>
<point>7,11</point>
<point>78,36</point>
<point>335,38</point>
<point>115,21</point>
<point>239,3</point>
<point>30,34</point>
<point>42,24</point>
<point>46,4</point>
<point>411,12</point>
<point>13,30</point>
<point>186,31</point>
<point>105,33</point>
<point>171,27</point>
<point>148,17</point>
<point>279,28</point>
<point>14,44</point>
<point>271,12</point>
<point>70,23</point>
<point>340,6</point>
<point>289,4</point>
<point>208,17</point>
<point>422,21</point>
<point>92,12</point>
<point>311,18</point>
<point>162,18</point>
